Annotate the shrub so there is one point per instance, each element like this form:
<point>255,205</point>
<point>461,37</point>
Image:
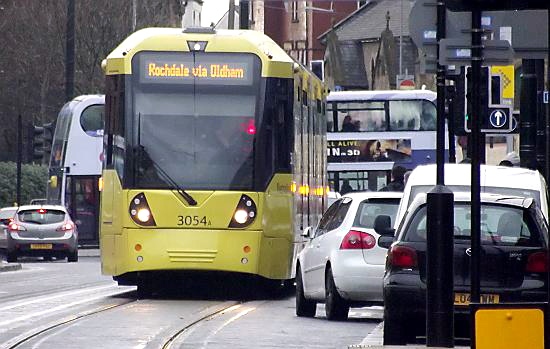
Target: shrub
<point>34,179</point>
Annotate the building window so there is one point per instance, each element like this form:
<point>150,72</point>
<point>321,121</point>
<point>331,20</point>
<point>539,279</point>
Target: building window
<point>361,3</point>
<point>295,11</point>
<point>318,68</point>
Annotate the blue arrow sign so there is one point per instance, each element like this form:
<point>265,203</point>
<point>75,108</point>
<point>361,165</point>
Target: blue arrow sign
<point>498,118</point>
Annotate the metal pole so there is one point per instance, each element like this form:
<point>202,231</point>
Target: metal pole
<point>19,157</point>
<point>244,9</point>
<point>231,15</point>
<point>401,44</point>
<point>439,283</point>
<point>528,113</point>
<point>134,15</point>
<point>475,171</point>
<point>69,51</point>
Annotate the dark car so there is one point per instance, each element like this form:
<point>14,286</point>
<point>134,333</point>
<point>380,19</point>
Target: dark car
<point>42,230</point>
<point>514,264</point>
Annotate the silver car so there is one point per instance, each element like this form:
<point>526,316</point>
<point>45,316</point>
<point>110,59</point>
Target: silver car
<point>6,217</point>
<point>342,264</point>
<point>42,230</point>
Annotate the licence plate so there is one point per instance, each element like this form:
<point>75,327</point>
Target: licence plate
<point>464,298</point>
<point>41,246</point>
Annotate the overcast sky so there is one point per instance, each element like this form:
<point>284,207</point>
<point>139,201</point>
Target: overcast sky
<point>213,10</point>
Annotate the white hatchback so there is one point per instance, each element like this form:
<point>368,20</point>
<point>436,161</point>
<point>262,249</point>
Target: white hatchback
<point>342,264</point>
<point>513,181</point>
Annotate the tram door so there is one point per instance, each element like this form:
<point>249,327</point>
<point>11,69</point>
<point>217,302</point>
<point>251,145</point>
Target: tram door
<point>82,200</point>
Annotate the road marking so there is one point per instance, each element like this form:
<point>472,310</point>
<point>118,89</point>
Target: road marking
<point>55,296</point>
<point>60,307</point>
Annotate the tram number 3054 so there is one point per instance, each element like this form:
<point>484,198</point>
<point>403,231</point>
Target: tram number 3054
<point>194,221</point>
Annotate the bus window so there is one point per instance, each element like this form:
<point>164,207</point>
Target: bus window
<point>92,120</point>
<point>368,116</point>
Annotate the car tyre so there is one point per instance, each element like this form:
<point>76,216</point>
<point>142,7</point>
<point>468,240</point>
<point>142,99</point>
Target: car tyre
<point>395,331</point>
<point>336,307</point>
<point>304,306</point>
<point>72,256</point>
<point>11,257</point>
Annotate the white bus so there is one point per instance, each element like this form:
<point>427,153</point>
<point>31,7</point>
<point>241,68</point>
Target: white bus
<point>76,163</point>
<point>370,131</point>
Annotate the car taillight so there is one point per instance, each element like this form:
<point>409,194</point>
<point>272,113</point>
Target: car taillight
<point>357,240</point>
<point>402,257</point>
<point>66,227</point>
<point>537,263</point>
<point>16,227</point>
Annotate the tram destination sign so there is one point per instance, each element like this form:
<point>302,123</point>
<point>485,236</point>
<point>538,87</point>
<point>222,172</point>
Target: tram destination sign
<point>369,150</point>
<point>183,68</point>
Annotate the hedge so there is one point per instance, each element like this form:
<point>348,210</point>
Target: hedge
<point>34,179</point>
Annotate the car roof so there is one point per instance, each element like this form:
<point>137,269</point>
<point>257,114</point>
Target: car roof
<point>362,195</point>
<point>13,208</point>
<point>489,198</point>
<point>490,176</point>
<point>46,207</point>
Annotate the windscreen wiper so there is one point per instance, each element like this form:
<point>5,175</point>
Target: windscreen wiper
<point>171,181</point>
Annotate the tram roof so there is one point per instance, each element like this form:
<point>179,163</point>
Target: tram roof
<point>275,61</point>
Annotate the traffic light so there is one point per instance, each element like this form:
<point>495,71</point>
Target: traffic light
<point>495,5</point>
<point>483,92</point>
<point>37,143</point>
<point>458,109</point>
<point>49,130</point>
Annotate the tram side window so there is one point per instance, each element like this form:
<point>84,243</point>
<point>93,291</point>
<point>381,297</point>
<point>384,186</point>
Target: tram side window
<point>114,124</point>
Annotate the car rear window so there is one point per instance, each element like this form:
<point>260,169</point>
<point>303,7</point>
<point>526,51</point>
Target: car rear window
<point>370,208</point>
<point>41,216</point>
<point>500,225</point>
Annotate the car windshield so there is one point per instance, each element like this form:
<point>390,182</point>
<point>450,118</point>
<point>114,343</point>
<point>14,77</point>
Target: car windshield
<point>41,216</point>
<point>500,225</point>
<point>526,193</point>
<point>369,209</point>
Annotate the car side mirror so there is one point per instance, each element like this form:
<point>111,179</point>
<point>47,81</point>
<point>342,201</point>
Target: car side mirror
<point>385,241</point>
<point>308,232</point>
<point>382,225</point>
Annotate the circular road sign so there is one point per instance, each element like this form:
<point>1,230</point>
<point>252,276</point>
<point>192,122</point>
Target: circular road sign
<point>498,118</point>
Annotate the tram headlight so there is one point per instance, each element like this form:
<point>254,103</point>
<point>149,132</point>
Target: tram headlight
<point>143,214</point>
<point>140,212</point>
<point>241,216</point>
<point>245,213</point>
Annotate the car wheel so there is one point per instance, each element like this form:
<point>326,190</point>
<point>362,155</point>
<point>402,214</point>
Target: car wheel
<point>395,331</point>
<point>11,257</point>
<point>73,256</point>
<point>304,307</point>
<point>336,307</point>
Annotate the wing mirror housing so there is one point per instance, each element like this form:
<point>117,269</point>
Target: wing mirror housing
<point>382,225</point>
<point>308,232</point>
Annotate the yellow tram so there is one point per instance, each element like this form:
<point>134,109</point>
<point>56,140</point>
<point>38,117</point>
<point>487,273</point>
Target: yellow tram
<point>215,156</point>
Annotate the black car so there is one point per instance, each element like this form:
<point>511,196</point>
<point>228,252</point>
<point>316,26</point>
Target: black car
<point>514,262</point>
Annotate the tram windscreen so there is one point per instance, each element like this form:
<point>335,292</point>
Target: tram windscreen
<point>196,135</point>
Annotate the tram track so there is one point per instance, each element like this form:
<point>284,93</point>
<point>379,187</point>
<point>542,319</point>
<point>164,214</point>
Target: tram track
<point>34,334</point>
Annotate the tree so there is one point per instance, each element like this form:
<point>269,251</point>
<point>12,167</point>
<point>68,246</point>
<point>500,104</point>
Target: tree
<point>32,65</point>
